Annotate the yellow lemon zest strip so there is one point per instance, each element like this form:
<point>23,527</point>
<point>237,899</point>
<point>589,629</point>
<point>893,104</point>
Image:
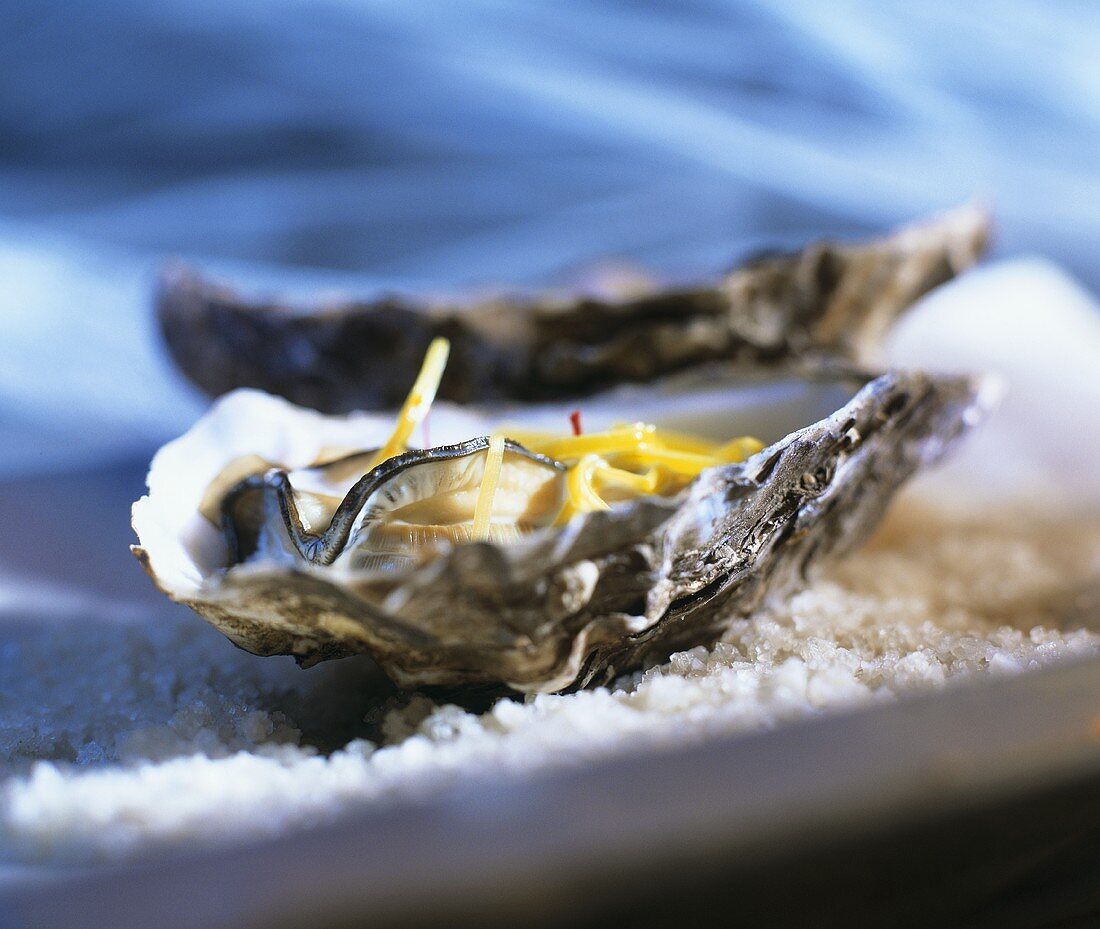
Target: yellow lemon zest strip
<point>483,509</point>
<point>580,495</point>
<point>597,443</point>
<point>418,402</point>
<point>739,449</point>
<point>652,481</point>
<point>683,463</point>
<point>677,441</point>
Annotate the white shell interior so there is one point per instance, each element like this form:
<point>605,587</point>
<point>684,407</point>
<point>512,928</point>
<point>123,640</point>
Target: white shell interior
<point>183,547</point>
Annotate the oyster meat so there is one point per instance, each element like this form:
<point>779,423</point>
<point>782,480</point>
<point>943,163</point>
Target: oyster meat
<point>398,512</point>
<point>339,356</point>
<point>498,555</point>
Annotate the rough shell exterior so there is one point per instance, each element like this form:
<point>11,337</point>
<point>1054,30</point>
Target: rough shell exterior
<point>827,299</point>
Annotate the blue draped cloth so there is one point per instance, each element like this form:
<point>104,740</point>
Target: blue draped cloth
<point>359,144</point>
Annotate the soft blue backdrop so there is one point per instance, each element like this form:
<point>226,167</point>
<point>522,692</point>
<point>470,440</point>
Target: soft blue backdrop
<point>364,143</point>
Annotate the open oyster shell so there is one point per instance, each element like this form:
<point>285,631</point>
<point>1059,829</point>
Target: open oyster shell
<point>829,299</point>
<point>566,606</point>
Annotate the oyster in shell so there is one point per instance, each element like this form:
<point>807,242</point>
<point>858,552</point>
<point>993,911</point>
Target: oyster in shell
<point>396,513</point>
<point>539,607</point>
<point>337,356</point>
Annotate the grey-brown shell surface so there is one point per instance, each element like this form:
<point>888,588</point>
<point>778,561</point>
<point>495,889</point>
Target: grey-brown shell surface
<point>340,355</point>
<point>551,607</point>
<point>562,607</point>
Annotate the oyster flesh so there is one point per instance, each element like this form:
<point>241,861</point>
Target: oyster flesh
<point>830,298</point>
<point>398,512</point>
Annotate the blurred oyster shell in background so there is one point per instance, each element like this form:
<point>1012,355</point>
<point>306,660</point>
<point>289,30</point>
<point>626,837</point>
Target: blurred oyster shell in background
<point>828,299</point>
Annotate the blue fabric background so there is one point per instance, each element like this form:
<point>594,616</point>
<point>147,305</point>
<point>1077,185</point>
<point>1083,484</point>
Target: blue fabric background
<point>438,144</point>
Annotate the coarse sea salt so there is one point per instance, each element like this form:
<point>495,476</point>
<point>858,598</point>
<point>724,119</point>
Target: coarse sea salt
<point>121,735</point>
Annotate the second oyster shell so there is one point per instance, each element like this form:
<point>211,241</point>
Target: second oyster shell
<point>829,299</point>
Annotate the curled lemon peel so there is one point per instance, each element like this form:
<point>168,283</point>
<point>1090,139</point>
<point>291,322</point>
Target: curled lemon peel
<point>628,460</point>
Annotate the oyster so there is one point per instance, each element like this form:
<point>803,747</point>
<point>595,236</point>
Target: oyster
<point>827,299</point>
<point>543,607</point>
